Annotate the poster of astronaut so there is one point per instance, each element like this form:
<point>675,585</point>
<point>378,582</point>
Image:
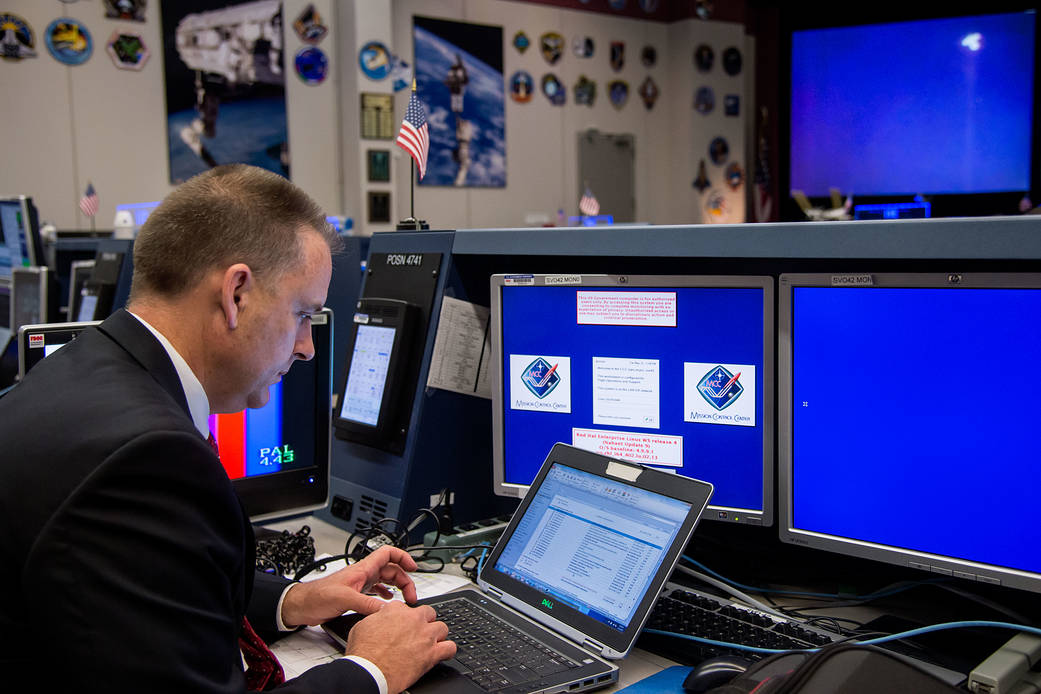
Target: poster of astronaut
<point>225,85</point>
<point>459,79</point>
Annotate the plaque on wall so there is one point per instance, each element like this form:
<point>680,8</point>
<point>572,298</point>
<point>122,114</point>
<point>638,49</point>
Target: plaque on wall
<point>378,165</point>
<point>379,206</point>
<point>377,116</point>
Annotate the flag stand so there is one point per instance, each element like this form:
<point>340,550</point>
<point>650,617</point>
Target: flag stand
<point>411,223</point>
<point>409,145</point>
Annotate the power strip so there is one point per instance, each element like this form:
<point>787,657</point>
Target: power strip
<point>1010,669</point>
<point>485,531</point>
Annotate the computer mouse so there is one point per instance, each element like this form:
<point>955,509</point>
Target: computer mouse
<point>714,672</point>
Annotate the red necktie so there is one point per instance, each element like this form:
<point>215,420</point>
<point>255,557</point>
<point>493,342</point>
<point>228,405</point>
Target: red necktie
<point>262,667</point>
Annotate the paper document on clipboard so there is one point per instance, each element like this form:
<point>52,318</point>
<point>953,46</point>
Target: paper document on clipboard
<point>462,349</point>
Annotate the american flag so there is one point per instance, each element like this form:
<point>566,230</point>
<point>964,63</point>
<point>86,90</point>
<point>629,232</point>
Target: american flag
<point>588,205</point>
<point>414,136</point>
<point>89,201</point>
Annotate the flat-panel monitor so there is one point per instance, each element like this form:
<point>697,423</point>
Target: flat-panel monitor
<point>675,372</point>
<point>79,272</point>
<point>139,211</point>
<point>38,341</point>
<point>5,313</point>
<point>32,296</point>
<point>908,410</point>
<point>277,456</point>
<point>930,106</point>
<point>380,348</point>
<point>21,244</point>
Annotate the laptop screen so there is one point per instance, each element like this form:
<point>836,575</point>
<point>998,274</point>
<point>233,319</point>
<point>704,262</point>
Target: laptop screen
<point>592,543</point>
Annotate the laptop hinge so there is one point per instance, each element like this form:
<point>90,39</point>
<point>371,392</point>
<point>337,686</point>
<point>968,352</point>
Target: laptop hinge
<point>494,592</point>
<point>592,645</point>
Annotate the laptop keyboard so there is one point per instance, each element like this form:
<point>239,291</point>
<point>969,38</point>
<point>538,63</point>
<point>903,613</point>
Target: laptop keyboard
<point>492,654</point>
<point>697,614</point>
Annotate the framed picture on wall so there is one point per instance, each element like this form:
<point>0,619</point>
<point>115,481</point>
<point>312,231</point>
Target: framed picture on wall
<point>379,206</point>
<point>459,80</point>
<point>379,165</point>
<point>240,117</point>
<point>377,116</point>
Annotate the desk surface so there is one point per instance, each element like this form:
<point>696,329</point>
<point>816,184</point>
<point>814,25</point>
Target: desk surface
<point>310,647</point>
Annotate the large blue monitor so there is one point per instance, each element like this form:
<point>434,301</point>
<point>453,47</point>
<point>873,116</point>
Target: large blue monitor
<point>908,412</point>
<point>675,372</point>
<point>935,106</point>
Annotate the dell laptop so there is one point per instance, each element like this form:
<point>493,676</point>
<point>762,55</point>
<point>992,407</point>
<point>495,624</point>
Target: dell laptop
<point>571,582</point>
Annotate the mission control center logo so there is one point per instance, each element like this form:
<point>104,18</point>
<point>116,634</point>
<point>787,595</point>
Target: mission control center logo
<point>719,393</point>
<point>540,383</point>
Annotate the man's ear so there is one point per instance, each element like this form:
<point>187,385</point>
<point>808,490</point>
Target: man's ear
<point>236,285</point>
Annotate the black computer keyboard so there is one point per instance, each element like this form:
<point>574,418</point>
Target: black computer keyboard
<point>491,653</point>
<point>686,611</point>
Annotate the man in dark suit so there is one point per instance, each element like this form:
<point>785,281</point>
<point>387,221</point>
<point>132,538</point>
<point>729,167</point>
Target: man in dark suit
<point>129,561</point>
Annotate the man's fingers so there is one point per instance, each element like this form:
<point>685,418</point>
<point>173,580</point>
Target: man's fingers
<point>444,650</point>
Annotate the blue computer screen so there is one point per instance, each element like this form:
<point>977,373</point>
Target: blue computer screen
<point>933,106</point>
<point>915,419</point>
<point>668,376</point>
<point>139,210</point>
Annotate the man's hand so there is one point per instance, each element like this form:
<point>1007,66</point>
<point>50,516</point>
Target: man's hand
<point>402,641</point>
<point>317,601</point>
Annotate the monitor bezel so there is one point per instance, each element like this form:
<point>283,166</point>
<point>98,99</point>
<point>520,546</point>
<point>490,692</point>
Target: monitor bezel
<point>763,517</point>
<point>33,240</point>
<point>915,559</point>
<point>290,492</point>
<point>27,358</point>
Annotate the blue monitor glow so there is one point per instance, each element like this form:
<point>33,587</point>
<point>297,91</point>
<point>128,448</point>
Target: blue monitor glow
<point>675,372</point>
<point>908,406</point>
<point>936,106</point>
<point>21,243</point>
<point>139,210</point>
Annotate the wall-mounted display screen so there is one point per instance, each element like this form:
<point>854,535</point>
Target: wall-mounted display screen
<point>936,106</point>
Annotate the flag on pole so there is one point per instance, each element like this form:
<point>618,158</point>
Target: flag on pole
<point>89,201</point>
<point>414,136</point>
<point>588,205</point>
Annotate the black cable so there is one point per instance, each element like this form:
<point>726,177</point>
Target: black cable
<point>285,552</point>
<point>318,565</point>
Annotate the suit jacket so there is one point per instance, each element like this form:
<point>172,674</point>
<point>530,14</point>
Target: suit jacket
<point>129,560</point>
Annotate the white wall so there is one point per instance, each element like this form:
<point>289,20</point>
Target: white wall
<point>66,125</point>
<point>541,140</point>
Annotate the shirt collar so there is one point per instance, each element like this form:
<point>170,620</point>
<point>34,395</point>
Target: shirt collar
<point>198,403</point>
